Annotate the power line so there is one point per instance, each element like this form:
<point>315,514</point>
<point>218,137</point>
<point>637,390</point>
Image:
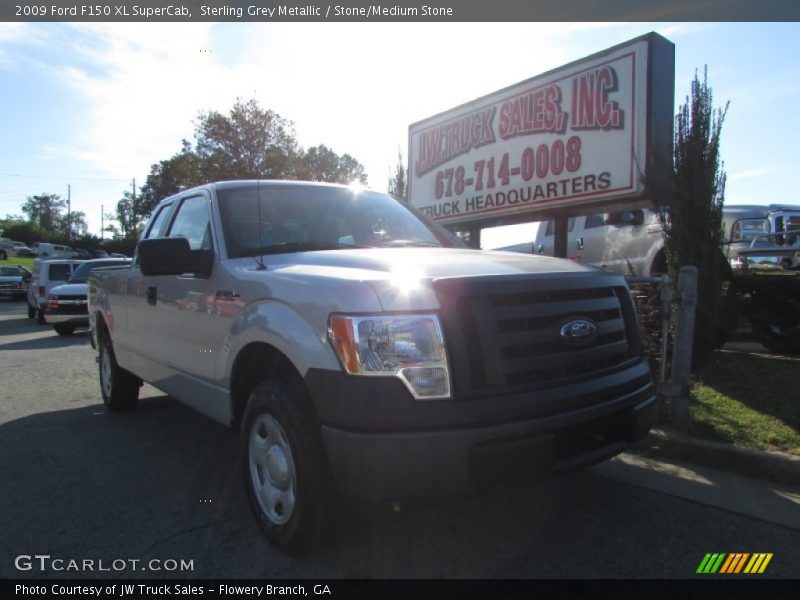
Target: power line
<point>64,177</point>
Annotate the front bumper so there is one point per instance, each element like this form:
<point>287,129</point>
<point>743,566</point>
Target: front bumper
<point>463,459</point>
<point>55,317</point>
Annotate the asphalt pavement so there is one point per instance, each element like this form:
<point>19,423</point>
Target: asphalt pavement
<point>162,483</point>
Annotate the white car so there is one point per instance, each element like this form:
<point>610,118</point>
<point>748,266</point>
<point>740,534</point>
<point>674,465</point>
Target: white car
<point>6,248</point>
<point>48,250</point>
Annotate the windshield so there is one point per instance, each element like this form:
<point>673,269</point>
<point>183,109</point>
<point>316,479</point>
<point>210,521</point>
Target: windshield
<point>10,272</point>
<point>266,218</point>
<point>81,274</point>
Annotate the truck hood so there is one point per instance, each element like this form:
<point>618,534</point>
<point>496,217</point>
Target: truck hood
<point>428,263</point>
<point>402,277</point>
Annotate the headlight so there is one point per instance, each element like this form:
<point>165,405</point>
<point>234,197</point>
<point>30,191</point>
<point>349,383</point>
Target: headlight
<point>748,229</point>
<point>410,347</point>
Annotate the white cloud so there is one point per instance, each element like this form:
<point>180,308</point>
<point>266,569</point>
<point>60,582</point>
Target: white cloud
<point>354,86</point>
<point>750,173</point>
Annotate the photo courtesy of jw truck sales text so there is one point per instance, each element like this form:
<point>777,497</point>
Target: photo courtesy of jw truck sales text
<point>581,135</point>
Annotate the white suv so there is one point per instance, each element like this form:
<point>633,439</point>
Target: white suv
<point>46,275</point>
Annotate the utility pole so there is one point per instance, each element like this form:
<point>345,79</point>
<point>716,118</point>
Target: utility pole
<point>69,212</point>
<point>102,220</point>
<point>133,207</point>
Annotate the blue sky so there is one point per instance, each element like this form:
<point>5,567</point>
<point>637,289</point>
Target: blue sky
<point>94,105</point>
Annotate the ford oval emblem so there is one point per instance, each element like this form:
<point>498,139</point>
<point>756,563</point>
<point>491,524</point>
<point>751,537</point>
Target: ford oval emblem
<point>578,332</point>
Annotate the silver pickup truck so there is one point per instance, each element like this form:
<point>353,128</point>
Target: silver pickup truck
<point>362,350</point>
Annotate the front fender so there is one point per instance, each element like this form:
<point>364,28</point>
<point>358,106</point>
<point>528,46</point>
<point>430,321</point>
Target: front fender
<point>281,326</point>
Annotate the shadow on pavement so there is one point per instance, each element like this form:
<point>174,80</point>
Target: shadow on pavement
<point>164,482</point>
<point>79,338</point>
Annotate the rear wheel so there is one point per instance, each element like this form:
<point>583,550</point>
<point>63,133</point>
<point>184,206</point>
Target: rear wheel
<point>64,328</point>
<point>778,336</point>
<point>120,388</point>
<point>285,467</point>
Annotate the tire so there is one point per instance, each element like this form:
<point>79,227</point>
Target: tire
<point>31,312</point>
<point>40,317</point>
<point>285,467</point>
<point>777,337</point>
<point>120,388</point>
<point>64,328</point>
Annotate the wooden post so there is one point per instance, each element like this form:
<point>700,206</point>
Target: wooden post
<point>682,348</point>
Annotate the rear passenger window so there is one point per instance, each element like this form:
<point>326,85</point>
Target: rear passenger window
<point>192,223</point>
<point>549,229</point>
<point>593,221</point>
<point>60,272</point>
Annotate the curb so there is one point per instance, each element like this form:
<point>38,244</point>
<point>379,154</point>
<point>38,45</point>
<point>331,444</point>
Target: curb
<point>776,467</point>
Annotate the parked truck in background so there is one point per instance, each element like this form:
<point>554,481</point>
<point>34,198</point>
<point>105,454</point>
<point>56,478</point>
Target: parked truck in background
<point>629,242</point>
<point>762,243</point>
<point>361,350</point>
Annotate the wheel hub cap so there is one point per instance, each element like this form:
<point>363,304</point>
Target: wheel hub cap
<point>277,467</point>
<point>272,469</point>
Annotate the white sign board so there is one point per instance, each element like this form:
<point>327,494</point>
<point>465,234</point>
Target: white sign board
<point>573,137</point>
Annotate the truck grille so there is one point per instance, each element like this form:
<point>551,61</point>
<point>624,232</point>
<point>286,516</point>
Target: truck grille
<point>509,330</point>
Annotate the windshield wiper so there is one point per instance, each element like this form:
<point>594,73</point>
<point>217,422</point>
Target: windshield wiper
<point>407,243</point>
<point>301,247</point>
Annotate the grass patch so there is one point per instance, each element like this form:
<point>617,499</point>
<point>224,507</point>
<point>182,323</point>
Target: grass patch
<point>747,399</point>
<point>19,260</point>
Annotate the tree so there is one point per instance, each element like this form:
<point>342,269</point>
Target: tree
<point>691,207</point>
<point>21,230</point>
<point>320,163</point>
<point>169,176</point>
<point>129,218</point>
<point>398,183</point>
<point>44,210</point>
<point>249,143</point>
<point>76,226</point>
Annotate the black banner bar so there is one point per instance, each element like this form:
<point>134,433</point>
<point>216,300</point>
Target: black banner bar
<point>397,10</point>
<point>707,587</point>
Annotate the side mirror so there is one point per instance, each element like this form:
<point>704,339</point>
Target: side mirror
<point>625,217</point>
<point>172,256</point>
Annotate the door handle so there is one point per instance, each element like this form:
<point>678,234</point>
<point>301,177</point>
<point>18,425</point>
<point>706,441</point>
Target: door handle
<point>150,294</point>
<point>580,243</point>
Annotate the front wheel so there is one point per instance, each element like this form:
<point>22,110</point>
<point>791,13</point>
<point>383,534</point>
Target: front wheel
<point>285,467</point>
<point>119,387</point>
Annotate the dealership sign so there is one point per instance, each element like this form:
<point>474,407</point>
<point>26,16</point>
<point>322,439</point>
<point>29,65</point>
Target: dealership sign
<point>576,138</point>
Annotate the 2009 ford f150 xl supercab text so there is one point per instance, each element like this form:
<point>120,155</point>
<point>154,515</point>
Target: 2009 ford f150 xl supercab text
<point>362,350</point>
